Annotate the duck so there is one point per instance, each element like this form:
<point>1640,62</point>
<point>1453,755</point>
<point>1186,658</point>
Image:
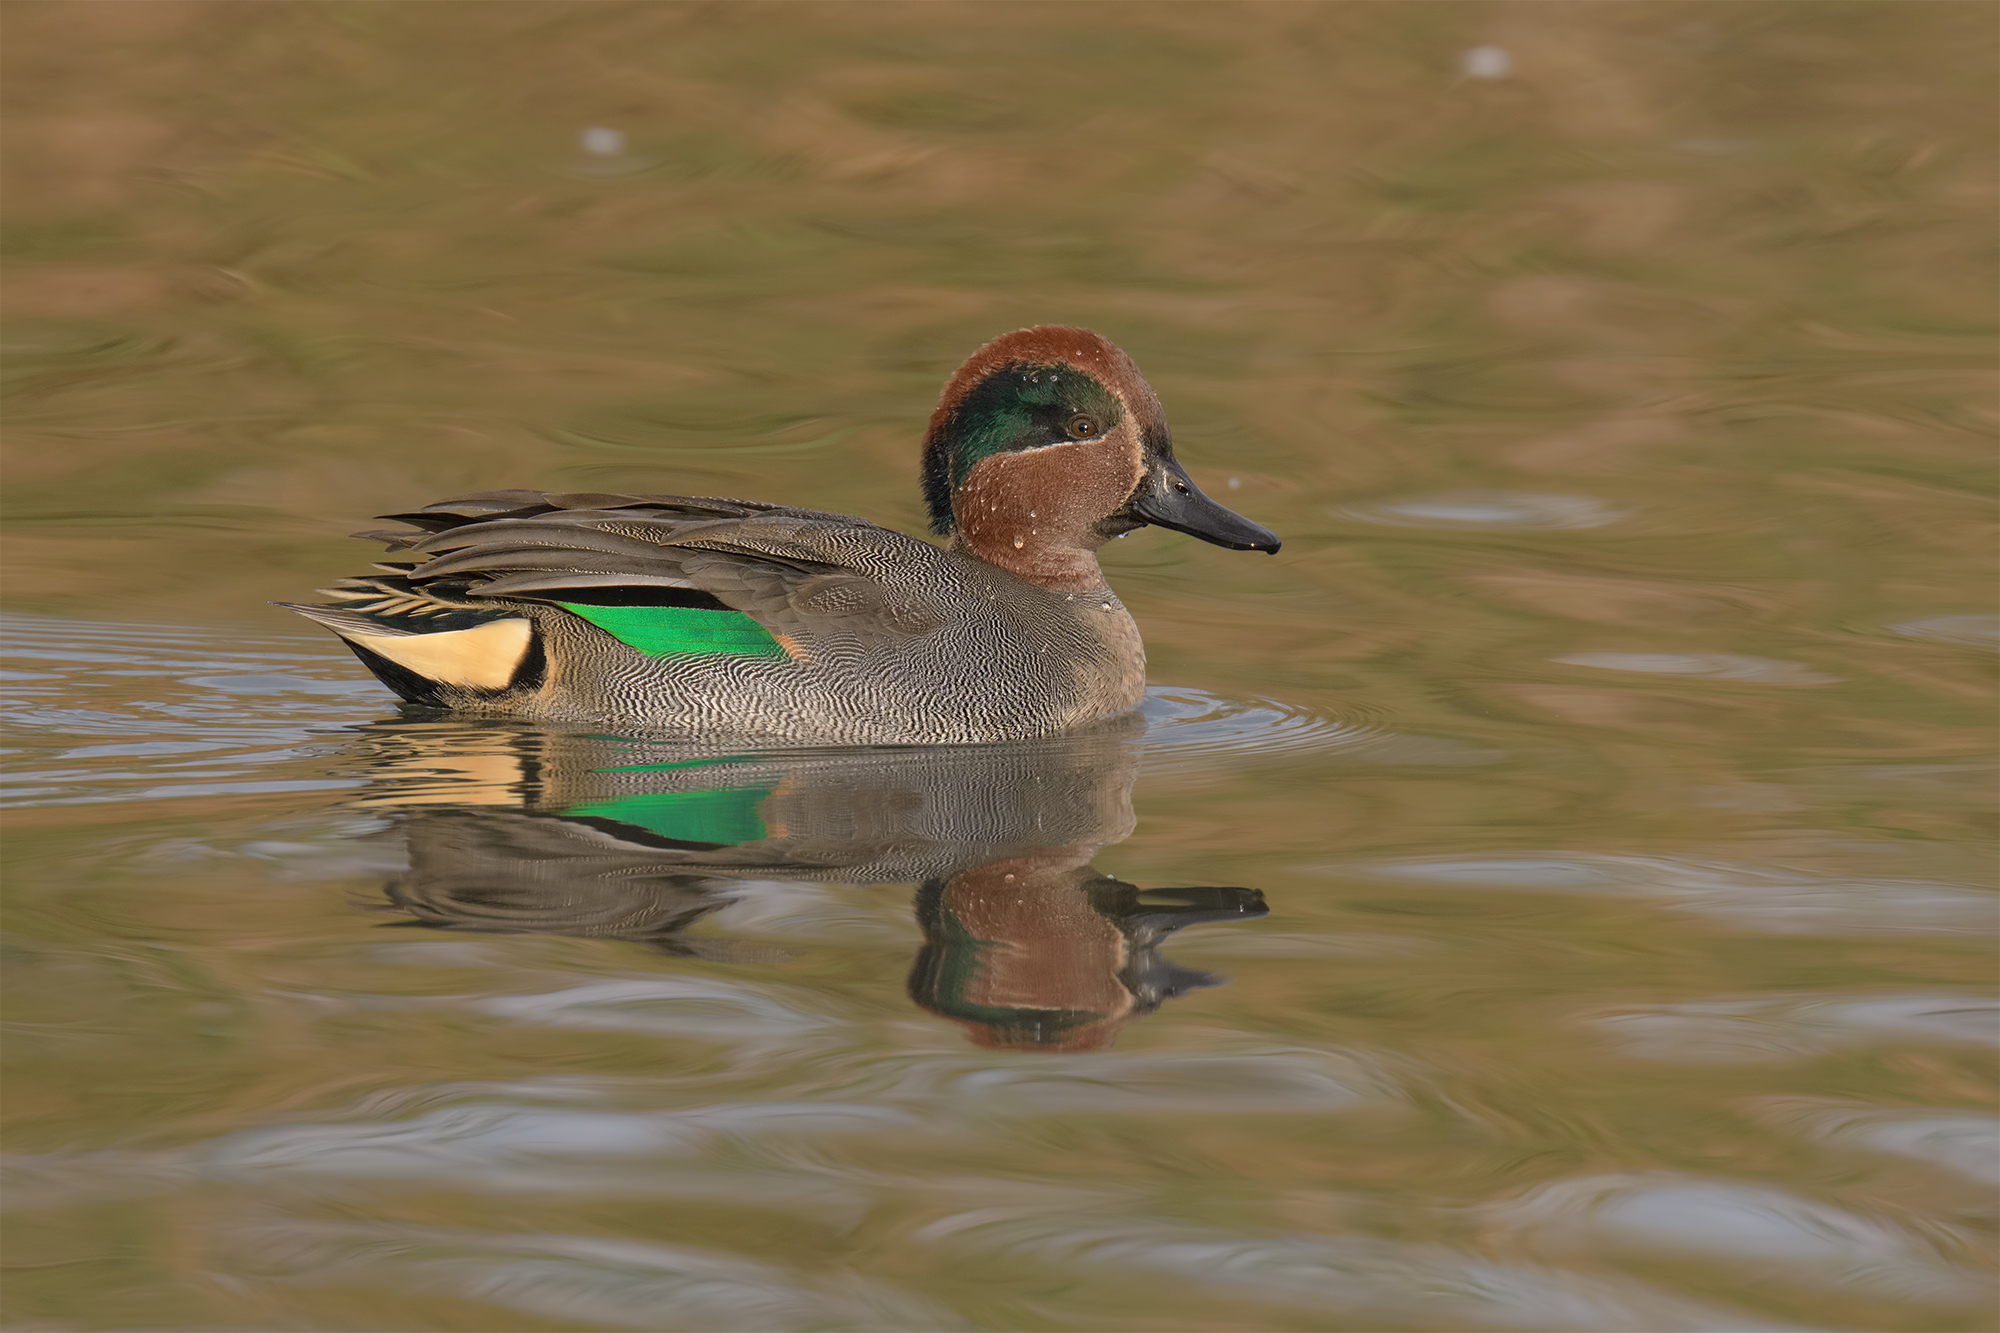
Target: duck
<point>706,617</point>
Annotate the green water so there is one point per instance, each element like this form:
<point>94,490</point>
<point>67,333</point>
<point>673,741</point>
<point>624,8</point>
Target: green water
<point>1553,893</point>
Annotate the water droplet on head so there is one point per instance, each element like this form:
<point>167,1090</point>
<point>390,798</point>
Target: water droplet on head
<point>1019,542</point>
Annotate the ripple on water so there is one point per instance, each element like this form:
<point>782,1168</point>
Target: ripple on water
<point>1486,510</point>
<point>1981,630</point>
<point>1409,1282</point>
<point>118,712</point>
<point>123,712</point>
<point>471,1143</point>
<point>574,1280</point>
<point>1716,666</point>
<point>1770,898</point>
<point>1763,1030</point>
<point>1773,1232</point>
<point>1958,1143</point>
<point>1186,728</point>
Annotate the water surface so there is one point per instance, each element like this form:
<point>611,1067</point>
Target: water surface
<point>1554,893</point>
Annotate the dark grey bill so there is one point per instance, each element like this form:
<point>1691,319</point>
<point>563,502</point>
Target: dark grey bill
<point>1168,499</point>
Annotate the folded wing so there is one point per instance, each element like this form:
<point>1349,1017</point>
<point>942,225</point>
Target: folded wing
<point>662,574</point>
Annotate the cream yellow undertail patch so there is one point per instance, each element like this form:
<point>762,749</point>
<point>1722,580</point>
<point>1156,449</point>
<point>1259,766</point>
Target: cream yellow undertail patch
<point>484,657</point>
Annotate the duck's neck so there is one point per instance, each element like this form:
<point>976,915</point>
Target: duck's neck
<point>1035,513</point>
<point>1059,569</point>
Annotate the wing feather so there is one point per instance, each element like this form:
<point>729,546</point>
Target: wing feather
<point>798,572</point>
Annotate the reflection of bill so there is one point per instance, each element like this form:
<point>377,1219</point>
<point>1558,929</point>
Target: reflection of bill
<point>516,830</point>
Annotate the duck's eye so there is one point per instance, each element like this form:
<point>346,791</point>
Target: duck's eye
<point>1081,427</point>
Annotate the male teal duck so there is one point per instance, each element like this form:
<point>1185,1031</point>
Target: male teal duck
<point>691,616</point>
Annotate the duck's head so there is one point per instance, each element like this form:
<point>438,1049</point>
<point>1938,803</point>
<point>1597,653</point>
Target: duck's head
<point>1047,443</point>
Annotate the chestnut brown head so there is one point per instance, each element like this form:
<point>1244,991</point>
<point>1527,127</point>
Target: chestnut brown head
<point>1049,442</point>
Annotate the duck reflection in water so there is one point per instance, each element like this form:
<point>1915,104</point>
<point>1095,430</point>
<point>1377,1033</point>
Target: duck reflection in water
<point>1026,944</point>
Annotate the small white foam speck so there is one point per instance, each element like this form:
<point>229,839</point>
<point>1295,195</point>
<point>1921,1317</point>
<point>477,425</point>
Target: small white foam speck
<point>1487,62</point>
<point>602,141</point>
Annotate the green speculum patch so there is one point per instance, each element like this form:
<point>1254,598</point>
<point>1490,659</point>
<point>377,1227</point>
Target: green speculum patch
<point>1016,407</point>
<point>662,631</point>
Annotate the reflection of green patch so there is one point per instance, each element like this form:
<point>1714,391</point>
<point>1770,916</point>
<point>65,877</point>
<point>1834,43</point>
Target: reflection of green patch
<point>724,817</point>
<point>721,815</point>
<point>661,631</point>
